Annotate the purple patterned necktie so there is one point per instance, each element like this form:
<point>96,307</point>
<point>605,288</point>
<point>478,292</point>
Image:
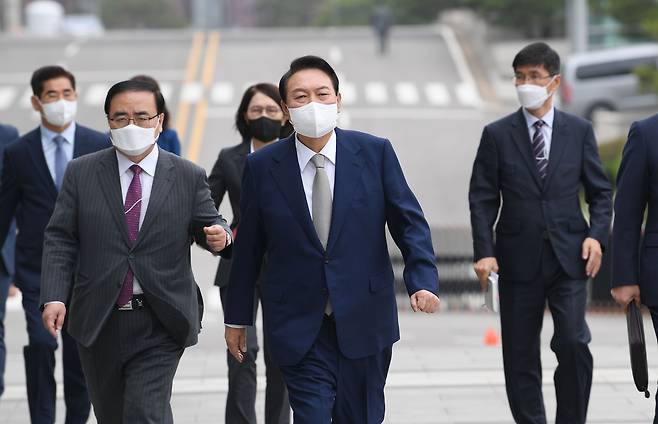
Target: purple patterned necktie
<point>132,209</point>
<point>539,149</point>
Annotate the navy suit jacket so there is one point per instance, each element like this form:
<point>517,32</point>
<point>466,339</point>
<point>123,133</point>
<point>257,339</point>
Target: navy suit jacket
<point>533,211</point>
<point>636,262</point>
<point>28,193</point>
<point>7,135</point>
<point>355,271</point>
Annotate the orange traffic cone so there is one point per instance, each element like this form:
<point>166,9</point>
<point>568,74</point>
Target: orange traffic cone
<point>491,337</point>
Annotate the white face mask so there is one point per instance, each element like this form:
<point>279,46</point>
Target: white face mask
<point>60,113</point>
<point>532,96</point>
<point>132,140</point>
<point>314,119</point>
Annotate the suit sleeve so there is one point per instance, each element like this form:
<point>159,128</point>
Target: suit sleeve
<point>630,204</point>
<point>248,258</point>
<point>60,245</point>
<point>408,227</point>
<point>484,197</point>
<point>598,191</point>
<point>217,181</point>
<point>10,194</point>
<point>205,214</point>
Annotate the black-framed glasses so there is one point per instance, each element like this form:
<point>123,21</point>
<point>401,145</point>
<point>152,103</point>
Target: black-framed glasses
<point>532,79</point>
<point>269,110</point>
<point>139,120</point>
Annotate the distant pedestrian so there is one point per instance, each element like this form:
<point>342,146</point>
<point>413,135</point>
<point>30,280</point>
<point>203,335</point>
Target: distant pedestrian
<point>382,21</point>
<point>168,139</point>
<point>527,177</point>
<point>260,122</point>
<point>32,176</point>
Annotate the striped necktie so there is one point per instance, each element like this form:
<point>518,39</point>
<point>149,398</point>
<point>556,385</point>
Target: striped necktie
<point>539,149</point>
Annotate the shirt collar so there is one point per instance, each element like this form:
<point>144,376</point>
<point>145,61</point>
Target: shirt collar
<point>147,164</point>
<point>530,119</point>
<point>68,133</point>
<point>304,154</point>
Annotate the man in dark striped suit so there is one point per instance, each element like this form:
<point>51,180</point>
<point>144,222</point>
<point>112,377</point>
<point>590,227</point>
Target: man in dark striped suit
<point>129,214</point>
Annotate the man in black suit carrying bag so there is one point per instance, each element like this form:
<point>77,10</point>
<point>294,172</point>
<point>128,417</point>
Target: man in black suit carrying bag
<point>527,176</point>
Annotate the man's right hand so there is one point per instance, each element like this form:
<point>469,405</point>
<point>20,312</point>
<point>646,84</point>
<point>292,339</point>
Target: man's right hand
<point>624,295</point>
<point>483,268</point>
<point>236,341</point>
<point>53,317</point>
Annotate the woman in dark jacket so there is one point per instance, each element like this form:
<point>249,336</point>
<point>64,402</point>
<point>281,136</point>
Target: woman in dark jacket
<point>260,121</point>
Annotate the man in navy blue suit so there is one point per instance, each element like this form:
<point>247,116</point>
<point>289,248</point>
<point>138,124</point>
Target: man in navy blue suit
<point>7,135</point>
<point>31,177</point>
<point>535,162</point>
<point>635,259</point>
<point>316,205</point>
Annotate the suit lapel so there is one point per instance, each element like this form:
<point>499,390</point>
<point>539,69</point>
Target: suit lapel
<point>558,144</point>
<point>162,182</point>
<point>39,159</point>
<point>521,138</point>
<point>348,174</point>
<point>110,184</point>
<point>288,178</point>
<point>241,157</point>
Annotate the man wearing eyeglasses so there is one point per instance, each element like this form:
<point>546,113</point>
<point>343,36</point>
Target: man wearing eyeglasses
<point>129,215</point>
<point>32,177</point>
<point>534,162</point>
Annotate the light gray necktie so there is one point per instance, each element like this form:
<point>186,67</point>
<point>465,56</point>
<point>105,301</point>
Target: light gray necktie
<point>60,161</point>
<point>322,204</point>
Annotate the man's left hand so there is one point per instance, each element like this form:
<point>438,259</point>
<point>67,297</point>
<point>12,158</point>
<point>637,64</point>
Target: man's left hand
<point>216,237</point>
<point>424,301</point>
<point>592,254</point>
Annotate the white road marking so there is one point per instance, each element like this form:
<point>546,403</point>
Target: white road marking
<point>222,93</point>
<point>166,90</point>
<point>387,113</point>
<point>348,93</point>
<point>191,92</point>
<point>96,94</point>
<point>335,55</point>
<point>24,101</point>
<point>467,94</point>
<point>7,95</point>
<point>376,93</point>
<point>437,93</point>
<point>407,93</point>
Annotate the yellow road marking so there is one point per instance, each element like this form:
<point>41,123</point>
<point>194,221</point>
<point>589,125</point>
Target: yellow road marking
<point>191,70</point>
<point>196,138</point>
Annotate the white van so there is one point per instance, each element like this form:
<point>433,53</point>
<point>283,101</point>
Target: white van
<point>605,80</point>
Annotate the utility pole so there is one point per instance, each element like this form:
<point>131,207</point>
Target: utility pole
<point>12,15</point>
<point>577,25</point>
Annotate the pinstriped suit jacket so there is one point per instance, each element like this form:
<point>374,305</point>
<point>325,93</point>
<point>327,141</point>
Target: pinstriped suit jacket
<point>88,223</point>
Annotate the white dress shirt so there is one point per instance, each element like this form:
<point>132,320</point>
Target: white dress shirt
<point>546,129</point>
<point>307,169</point>
<point>50,147</point>
<point>148,165</point>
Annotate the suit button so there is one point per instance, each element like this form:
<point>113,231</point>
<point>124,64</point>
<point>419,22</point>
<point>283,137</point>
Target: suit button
<point>326,259</point>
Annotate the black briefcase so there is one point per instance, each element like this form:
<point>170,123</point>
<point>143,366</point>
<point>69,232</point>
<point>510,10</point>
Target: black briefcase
<point>637,348</point>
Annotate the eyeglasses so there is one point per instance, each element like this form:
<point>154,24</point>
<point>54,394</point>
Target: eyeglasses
<point>139,120</point>
<point>269,110</point>
<point>533,79</point>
